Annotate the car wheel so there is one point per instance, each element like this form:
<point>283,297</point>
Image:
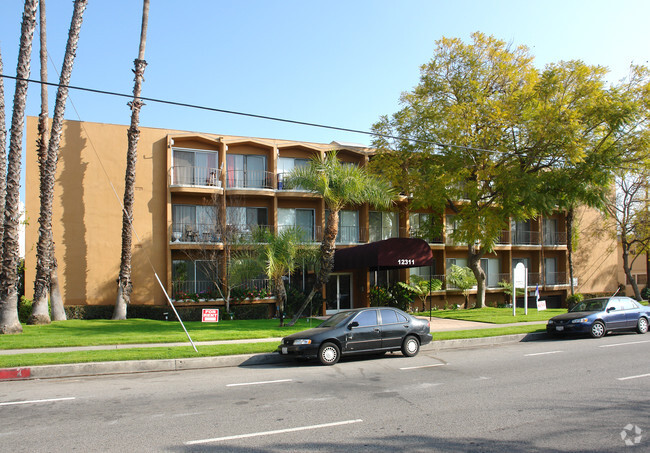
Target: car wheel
<point>642,325</point>
<point>411,346</point>
<point>597,329</point>
<point>329,354</point>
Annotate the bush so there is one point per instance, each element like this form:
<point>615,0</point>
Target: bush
<point>645,293</point>
<point>396,296</point>
<point>295,299</point>
<point>571,301</point>
<point>24,309</point>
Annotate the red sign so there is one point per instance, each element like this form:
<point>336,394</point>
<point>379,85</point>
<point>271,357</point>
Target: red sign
<point>210,315</point>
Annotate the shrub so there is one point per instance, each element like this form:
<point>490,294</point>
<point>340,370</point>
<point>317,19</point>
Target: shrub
<point>24,309</point>
<point>295,299</point>
<point>645,293</point>
<point>571,301</point>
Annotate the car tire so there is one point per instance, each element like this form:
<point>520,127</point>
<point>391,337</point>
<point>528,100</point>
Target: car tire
<point>597,329</point>
<point>411,346</point>
<point>642,325</point>
<point>329,353</point>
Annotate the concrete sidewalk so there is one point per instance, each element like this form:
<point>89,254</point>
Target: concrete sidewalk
<point>144,366</point>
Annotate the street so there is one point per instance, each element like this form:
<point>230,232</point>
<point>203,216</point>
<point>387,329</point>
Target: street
<point>573,394</point>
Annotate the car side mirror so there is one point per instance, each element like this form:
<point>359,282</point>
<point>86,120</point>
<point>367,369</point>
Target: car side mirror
<point>353,324</point>
<point>611,309</point>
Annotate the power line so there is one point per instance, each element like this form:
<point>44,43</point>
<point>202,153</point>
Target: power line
<point>253,115</point>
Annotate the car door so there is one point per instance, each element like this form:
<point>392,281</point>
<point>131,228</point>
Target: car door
<point>614,315</point>
<point>393,328</point>
<point>632,313</point>
<point>364,333</point>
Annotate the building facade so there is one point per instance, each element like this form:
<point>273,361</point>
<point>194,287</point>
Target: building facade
<point>197,194</point>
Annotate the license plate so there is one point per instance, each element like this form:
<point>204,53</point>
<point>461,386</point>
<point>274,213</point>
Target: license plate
<point>285,351</point>
<point>559,328</point>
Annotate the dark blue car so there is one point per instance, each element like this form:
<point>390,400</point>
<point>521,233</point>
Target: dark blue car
<point>601,315</point>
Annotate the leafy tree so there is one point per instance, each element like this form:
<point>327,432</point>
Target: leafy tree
<point>422,287</point>
<point>48,160</point>
<point>124,286</point>
<point>462,278</point>
<point>9,322</point>
<point>340,185</point>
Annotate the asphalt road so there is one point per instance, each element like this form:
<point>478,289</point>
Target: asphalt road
<point>558,395</point>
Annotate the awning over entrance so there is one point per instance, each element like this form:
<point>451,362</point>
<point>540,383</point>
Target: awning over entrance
<point>393,253</point>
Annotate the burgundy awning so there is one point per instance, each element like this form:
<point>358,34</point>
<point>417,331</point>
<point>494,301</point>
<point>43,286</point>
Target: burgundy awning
<point>394,253</point>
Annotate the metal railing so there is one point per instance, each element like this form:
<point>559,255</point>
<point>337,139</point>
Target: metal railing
<point>243,179</point>
<point>554,238</point>
<point>196,176</point>
<point>523,237</point>
<point>196,232</point>
<point>313,234</point>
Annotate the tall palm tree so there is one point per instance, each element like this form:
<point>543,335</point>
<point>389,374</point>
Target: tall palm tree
<point>3,156</point>
<point>9,322</point>
<point>124,285</point>
<point>340,185</point>
<point>45,245</point>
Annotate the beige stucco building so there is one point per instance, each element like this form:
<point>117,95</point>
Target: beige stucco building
<point>192,187</point>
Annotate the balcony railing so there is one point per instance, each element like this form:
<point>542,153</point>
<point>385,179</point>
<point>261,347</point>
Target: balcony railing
<point>208,290</point>
<point>522,237</point>
<point>196,232</point>
<point>555,238</point>
<point>242,179</point>
<point>196,176</point>
<point>313,234</point>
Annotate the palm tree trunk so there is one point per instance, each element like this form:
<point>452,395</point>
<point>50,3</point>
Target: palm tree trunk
<point>45,246</point>
<point>327,249</point>
<point>474,263</point>
<point>3,156</point>
<point>9,322</point>
<point>124,282</point>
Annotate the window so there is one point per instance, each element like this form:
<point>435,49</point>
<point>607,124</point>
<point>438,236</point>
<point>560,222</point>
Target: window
<point>551,236</point>
<point>246,171</point>
<point>195,167</point>
<point>461,262</point>
<point>491,267</point>
<point>299,218</point>
<point>384,278</point>
<point>367,318</point>
<point>246,217</point>
<point>194,277</point>
<point>348,227</point>
<point>286,165</point>
<point>522,233</point>
<point>194,223</point>
<point>421,226</point>
<point>424,271</point>
<point>383,225</point>
<point>550,271</point>
<point>452,224</point>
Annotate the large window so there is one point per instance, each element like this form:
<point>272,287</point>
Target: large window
<point>551,234</point>
<point>383,225</point>
<point>195,167</point>
<point>246,218</point>
<point>302,219</point>
<point>522,233</point>
<point>194,223</point>
<point>492,269</point>
<point>194,277</point>
<point>246,171</point>
<point>452,223</point>
<point>285,166</point>
<point>348,227</point>
<point>421,226</point>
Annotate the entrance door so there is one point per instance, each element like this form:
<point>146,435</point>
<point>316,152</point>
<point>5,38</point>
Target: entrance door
<point>339,293</point>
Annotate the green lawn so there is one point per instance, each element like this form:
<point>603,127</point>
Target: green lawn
<point>133,331</point>
<point>496,315</point>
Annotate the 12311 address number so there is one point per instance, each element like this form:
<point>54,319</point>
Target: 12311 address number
<point>406,262</point>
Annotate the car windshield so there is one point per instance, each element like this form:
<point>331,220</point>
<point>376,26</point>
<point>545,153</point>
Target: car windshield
<point>336,319</point>
<point>590,305</point>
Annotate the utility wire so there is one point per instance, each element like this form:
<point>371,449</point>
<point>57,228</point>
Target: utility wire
<point>253,115</point>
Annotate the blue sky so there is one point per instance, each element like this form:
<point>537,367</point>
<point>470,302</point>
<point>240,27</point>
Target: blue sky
<point>339,63</point>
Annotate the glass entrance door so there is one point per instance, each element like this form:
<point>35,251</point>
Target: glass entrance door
<point>339,293</point>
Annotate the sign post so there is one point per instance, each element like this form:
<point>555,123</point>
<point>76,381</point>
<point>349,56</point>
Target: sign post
<point>518,281</point>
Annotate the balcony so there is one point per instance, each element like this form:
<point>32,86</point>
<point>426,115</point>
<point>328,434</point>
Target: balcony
<point>307,235</point>
<point>196,176</point>
<point>196,233</point>
<point>554,238</point>
<point>242,179</point>
<point>522,237</point>
<point>207,290</point>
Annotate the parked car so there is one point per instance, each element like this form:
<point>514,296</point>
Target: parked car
<point>363,330</point>
<point>601,315</point>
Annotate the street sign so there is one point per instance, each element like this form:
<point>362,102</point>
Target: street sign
<point>210,315</point>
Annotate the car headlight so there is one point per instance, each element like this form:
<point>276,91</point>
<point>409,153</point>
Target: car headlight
<point>578,321</point>
<point>550,321</point>
<point>302,341</point>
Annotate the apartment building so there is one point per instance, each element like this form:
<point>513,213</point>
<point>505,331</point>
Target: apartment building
<point>196,194</point>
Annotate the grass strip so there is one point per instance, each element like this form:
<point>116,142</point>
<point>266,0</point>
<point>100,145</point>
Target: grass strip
<point>496,315</point>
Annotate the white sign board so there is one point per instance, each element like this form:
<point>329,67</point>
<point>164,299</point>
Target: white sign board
<point>520,275</point>
<point>210,315</point>
<point>541,305</point>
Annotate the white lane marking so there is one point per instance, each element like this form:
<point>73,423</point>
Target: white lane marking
<point>259,383</point>
<point>623,344</point>
<point>542,353</point>
<point>14,403</point>
<point>269,433</point>
<point>422,366</point>
<point>633,377</point>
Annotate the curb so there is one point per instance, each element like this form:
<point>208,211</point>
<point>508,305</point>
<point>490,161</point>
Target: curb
<point>148,366</point>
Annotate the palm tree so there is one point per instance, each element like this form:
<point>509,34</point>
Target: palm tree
<point>45,246</point>
<point>3,156</point>
<point>9,322</point>
<point>340,185</point>
<point>279,257</point>
<point>124,285</point>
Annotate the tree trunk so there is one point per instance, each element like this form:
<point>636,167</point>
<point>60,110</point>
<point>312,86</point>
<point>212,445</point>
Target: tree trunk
<point>569,243</point>
<point>628,269</point>
<point>474,263</point>
<point>125,285</point>
<point>45,245</point>
<point>58,310</point>
<point>327,249</point>
<point>3,156</point>
<point>282,297</point>
<point>9,322</point>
